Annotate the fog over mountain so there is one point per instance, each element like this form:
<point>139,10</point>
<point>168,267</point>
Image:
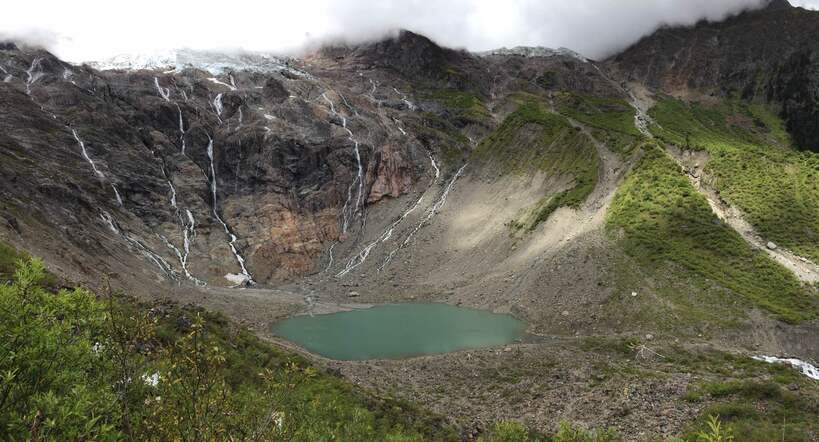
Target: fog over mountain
<point>94,30</point>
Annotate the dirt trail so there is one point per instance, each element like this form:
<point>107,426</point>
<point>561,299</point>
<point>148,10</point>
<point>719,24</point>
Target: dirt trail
<point>693,164</point>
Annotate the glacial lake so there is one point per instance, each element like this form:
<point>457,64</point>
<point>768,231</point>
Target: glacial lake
<point>396,331</point>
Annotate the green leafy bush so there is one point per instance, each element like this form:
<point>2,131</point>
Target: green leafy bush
<point>75,368</point>
<point>53,384</point>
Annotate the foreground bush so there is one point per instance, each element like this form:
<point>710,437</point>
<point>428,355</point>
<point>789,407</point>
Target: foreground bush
<point>76,368</point>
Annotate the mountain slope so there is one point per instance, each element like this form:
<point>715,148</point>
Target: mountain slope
<point>587,198</point>
<point>769,55</point>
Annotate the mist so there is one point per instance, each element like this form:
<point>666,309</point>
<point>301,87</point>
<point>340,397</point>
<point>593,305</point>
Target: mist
<point>95,29</point>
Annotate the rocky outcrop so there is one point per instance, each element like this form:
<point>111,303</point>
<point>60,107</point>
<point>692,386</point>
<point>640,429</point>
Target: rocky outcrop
<point>393,174</point>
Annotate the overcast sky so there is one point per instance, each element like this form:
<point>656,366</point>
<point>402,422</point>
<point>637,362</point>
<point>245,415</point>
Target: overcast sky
<point>84,30</point>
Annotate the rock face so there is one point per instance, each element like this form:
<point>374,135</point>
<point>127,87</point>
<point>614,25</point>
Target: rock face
<point>203,176</point>
<point>766,55</point>
<point>195,175</point>
<point>391,176</point>
<point>219,176</point>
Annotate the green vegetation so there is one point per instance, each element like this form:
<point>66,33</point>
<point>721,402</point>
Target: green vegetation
<point>755,411</point>
<point>75,368</point>
<point>752,165</point>
<point>715,432</point>
<point>533,139</point>
<point>434,130</point>
<point>509,431</point>
<point>8,262</point>
<point>609,114</point>
<point>465,104</point>
<point>675,301</point>
<point>663,219</point>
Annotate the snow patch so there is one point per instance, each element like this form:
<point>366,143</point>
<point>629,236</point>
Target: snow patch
<point>534,51</point>
<point>216,63</point>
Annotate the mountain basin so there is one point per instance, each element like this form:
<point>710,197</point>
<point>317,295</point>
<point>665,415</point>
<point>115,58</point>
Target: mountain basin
<point>396,331</point>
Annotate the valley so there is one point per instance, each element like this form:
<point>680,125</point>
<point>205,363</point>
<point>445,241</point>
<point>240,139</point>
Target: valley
<point>645,227</point>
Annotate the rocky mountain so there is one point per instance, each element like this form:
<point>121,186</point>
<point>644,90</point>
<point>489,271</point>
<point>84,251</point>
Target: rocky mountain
<point>180,166</point>
<point>662,203</point>
<point>768,55</point>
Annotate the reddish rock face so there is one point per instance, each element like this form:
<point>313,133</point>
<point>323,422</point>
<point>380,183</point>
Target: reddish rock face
<point>291,243</point>
<point>393,174</point>
<point>188,176</point>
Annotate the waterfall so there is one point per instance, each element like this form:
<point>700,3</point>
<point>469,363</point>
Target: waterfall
<point>217,106</point>
<point>245,276</point>
<point>85,155</point>
<point>116,194</point>
<point>804,367</point>
<point>97,172</point>
<point>347,210</point>
<point>387,234</point>
<point>164,92</point>
<point>409,104</point>
<point>181,128</point>
<point>160,262</point>
<point>33,76</point>
<point>429,215</point>
<point>231,86</point>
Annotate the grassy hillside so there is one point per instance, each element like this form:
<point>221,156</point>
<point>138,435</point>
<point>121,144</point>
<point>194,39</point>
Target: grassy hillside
<point>532,139</point>
<point>465,105</point>
<point>752,165</point>
<point>607,114</point>
<point>661,218</point>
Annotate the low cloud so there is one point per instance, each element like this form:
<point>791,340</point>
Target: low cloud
<point>34,37</point>
<point>92,30</point>
<point>595,28</point>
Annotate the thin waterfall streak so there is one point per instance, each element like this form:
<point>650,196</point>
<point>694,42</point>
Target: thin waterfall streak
<point>116,194</point>
<point>164,92</point>
<point>348,210</point>
<point>429,215</point>
<point>385,236</point>
<point>233,238</point>
<point>99,174</point>
<point>330,260</point>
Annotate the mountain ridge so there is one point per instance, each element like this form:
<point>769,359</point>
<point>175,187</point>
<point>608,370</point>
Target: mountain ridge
<point>636,204</point>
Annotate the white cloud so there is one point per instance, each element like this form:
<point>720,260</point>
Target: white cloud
<point>807,4</point>
<point>96,29</point>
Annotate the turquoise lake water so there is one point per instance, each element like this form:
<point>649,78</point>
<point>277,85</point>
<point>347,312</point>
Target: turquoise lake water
<point>397,331</point>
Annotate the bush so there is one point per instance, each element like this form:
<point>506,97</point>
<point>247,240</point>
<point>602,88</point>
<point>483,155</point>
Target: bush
<point>75,368</point>
<point>53,384</point>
